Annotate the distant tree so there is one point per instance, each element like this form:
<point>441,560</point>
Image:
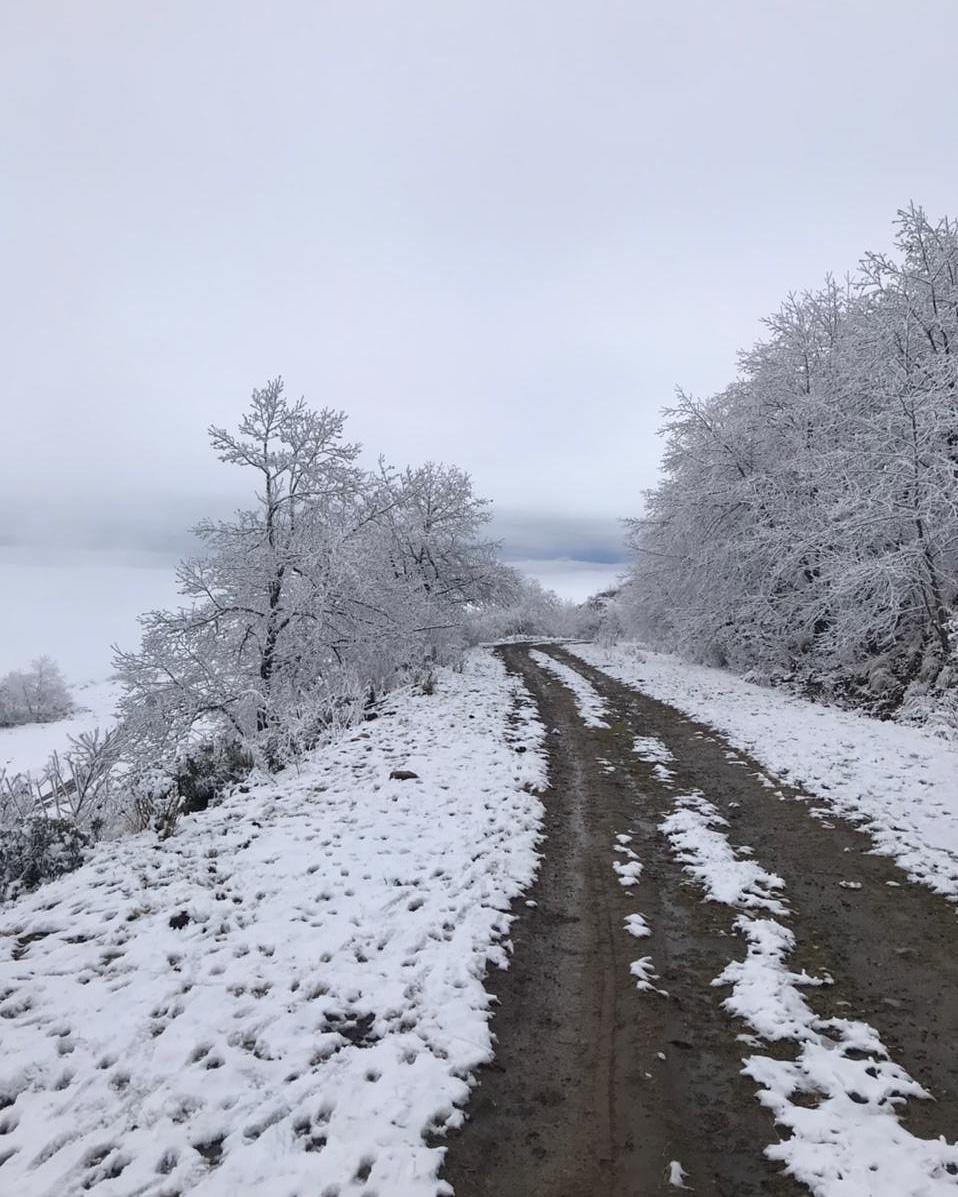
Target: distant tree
<point>521,608</point>
<point>435,523</point>
<point>35,695</point>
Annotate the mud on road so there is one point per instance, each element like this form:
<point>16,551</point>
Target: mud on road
<point>597,1086</point>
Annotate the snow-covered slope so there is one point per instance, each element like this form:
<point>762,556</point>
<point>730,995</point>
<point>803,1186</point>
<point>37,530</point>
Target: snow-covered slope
<point>900,781</point>
<point>287,995</point>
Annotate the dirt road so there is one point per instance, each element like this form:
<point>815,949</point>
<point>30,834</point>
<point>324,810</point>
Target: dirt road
<point>600,1089</point>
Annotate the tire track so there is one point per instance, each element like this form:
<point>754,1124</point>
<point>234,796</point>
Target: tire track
<point>890,945</point>
<point>597,1087</point>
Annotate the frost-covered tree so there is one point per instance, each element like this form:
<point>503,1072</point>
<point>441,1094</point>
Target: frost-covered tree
<point>435,524</point>
<point>35,695</point>
<point>233,655</point>
<point>807,522</point>
<point>335,582</point>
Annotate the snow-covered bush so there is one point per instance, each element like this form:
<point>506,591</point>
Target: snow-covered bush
<point>82,786</point>
<point>807,523</point>
<point>601,618</point>
<point>207,771</point>
<point>35,695</point>
<point>523,608</point>
<point>37,850</point>
<point>46,820</point>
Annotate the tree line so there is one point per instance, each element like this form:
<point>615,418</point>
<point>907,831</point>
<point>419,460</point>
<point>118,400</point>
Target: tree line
<point>806,526</point>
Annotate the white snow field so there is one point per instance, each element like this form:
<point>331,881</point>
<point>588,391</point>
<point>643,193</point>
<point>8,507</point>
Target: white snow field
<point>72,606</point>
<point>27,749</point>
<point>900,783</point>
<point>849,1142</point>
<point>286,997</point>
<point>589,703</point>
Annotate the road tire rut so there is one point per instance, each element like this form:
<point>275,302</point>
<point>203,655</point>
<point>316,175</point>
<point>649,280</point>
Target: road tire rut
<point>890,946</point>
<point>579,1101</point>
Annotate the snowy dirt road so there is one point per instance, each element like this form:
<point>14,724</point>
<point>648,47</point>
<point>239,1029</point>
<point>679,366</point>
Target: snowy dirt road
<point>713,986</point>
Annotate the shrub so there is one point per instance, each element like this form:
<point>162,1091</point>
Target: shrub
<point>35,695</point>
<point>38,850</point>
<point>207,771</point>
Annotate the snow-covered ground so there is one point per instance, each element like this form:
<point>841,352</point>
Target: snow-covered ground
<point>286,996</point>
<point>900,782</point>
<point>73,606</point>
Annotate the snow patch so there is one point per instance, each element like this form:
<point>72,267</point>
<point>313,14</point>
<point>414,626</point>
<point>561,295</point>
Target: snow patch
<point>628,873</point>
<point>677,1175</point>
<point>590,705</point>
<point>838,1096</point>
<point>652,750</point>
<point>694,832</point>
<point>645,975</point>
<point>636,925</point>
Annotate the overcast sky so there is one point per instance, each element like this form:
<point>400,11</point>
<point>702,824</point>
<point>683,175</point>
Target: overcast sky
<point>496,233</point>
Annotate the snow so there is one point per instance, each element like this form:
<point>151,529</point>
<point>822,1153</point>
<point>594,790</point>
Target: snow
<point>27,749</point>
<point>73,605</point>
<point>900,782</point>
<point>628,873</point>
<point>847,1141</point>
<point>677,1175</point>
<point>644,972</point>
<point>694,830</point>
<point>652,750</point>
<point>588,701</point>
<point>636,925</point>
<point>286,996</point>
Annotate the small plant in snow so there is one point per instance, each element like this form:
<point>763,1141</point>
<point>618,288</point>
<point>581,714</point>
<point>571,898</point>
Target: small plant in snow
<point>47,821</point>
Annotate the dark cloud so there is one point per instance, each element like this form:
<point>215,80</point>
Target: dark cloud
<point>572,538</point>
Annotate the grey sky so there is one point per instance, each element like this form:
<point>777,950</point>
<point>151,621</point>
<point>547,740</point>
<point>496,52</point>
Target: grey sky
<point>495,233</point>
